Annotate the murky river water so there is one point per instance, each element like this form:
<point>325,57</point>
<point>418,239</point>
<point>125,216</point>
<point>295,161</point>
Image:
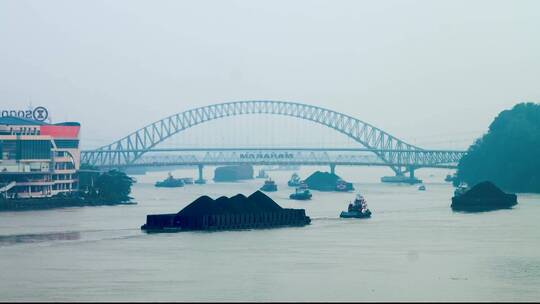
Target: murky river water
<point>413,248</point>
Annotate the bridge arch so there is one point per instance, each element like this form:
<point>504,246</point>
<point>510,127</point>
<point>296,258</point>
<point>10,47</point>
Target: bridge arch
<point>128,149</point>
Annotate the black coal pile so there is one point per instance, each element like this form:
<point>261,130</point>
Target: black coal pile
<point>484,196</point>
<point>324,181</point>
<point>255,203</point>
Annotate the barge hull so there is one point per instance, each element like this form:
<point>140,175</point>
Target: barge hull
<point>175,223</point>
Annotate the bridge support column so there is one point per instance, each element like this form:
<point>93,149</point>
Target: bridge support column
<point>411,172</point>
<point>200,180</point>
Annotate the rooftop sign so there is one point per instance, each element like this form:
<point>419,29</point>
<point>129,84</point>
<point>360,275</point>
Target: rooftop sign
<point>37,113</point>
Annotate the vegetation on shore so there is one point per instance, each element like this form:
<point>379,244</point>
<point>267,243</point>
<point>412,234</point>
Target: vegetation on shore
<point>113,186</point>
<point>508,154</point>
<point>95,189</point>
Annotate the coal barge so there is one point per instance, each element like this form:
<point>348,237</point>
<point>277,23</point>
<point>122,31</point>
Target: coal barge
<point>326,181</point>
<point>233,173</point>
<point>484,196</point>
<point>237,212</point>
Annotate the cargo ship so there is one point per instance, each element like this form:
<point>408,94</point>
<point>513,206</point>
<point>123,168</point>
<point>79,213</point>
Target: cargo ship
<point>170,182</point>
<point>401,179</point>
<point>233,173</point>
<point>237,212</point>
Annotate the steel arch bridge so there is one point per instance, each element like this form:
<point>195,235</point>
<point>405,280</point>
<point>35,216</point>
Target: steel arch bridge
<point>399,155</point>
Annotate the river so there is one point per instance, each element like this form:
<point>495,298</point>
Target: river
<point>414,248</point>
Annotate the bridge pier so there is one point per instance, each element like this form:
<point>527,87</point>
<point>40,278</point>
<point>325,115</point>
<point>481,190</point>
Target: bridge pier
<point>200,180</point>
<point>401,176</point>
<point>333,168</point>
<point>411,172</point>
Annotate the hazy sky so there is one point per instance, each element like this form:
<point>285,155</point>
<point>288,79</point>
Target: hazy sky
<point>437,70</point>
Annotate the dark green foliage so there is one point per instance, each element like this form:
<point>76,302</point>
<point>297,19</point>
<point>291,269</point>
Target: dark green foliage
<point>509,154</point>
<point>113,186</point>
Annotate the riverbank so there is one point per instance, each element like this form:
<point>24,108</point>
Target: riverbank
<point>53,203</point>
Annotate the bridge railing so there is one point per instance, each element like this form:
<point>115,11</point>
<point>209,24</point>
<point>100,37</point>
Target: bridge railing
<point>432,158</point>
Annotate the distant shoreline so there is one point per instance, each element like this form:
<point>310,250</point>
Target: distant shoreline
<point>32,204</point>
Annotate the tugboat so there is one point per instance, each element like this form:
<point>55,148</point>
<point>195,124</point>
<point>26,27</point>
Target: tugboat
<point>294,181</point>
<point>450,178</point>
<point>421,188</point>
<point>357,209</point>
<point>269,186</point>
<point>262,174</point>
<point>170,182</point>
<point>301,193</point>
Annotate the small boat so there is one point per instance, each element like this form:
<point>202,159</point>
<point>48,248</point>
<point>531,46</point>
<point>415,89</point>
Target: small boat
<point>200,181</point>
<point>170,182</point>
<point>344,186</point>
<point>295,180</point>
<point>269,186</point>
<point>461,189</point>
<point>187,180</point>
<point>422,188</point>
<point>357,209</point>
<point>301,193</point>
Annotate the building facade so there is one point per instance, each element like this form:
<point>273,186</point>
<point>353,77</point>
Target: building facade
<point>38,159</point>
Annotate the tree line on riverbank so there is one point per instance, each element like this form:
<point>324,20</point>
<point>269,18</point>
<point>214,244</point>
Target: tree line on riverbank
<point>508,154</point>
<point>113,186</point>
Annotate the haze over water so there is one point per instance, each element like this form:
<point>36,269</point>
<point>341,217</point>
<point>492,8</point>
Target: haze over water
<point>413,248</point>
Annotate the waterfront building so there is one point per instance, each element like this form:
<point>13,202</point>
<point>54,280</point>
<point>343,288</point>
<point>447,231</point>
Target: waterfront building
<point>38,159</point>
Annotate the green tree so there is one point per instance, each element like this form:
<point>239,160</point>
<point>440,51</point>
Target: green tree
<point>509,153</point>
<point>114,185</point>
